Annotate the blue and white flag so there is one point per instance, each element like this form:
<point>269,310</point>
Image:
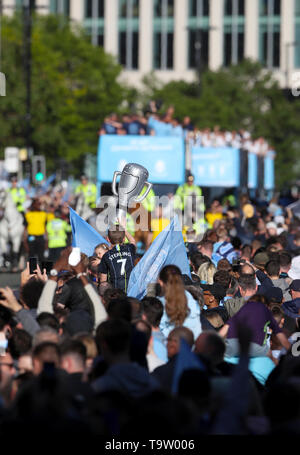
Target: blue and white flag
<point>84,235</point>
<point>168,248</point>
<point>186,360</point>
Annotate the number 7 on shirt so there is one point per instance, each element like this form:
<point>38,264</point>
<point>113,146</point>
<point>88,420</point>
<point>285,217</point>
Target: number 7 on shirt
<point>123,266</point>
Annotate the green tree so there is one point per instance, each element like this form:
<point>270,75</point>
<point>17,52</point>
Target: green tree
<point>74,86</point>
<point>244,96</point>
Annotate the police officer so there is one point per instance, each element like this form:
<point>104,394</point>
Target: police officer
<point>186,198</point>
<point>89,190</point>
<point>18,194</point>
<point>57,234</point>
<point>187,189</point>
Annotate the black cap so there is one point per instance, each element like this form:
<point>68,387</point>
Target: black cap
<point>295,285</point>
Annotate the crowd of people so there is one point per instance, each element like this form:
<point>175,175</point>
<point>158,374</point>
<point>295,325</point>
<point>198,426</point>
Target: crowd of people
<point>215,352</point>
<point>167,124</point>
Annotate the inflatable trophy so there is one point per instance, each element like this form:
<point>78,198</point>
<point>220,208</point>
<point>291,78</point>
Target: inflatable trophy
<point>133,178</point>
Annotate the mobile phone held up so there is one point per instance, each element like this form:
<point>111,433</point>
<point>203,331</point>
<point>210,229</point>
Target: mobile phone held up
<point>32,265</point>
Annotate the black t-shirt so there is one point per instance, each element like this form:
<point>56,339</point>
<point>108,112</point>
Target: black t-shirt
<point>117,264</point>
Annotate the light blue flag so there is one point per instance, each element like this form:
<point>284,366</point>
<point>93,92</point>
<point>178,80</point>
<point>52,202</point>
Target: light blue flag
<point>186,360</point>
<point>168,248</point>
<point>84,235</point>
<point>46,185</point>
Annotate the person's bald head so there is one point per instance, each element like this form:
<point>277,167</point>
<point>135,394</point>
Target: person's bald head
<point>211,346</point>
<point>247,269</point>
<point>174,337</point>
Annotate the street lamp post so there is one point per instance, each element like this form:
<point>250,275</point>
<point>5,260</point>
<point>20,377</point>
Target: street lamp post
<point>27,32</point>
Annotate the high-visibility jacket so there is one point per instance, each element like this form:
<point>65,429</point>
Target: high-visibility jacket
<point>149,202</point>
<point>90,193</point>
<point>19,197</point>
<point>184,191</point>
<point>130,226</point>
<point>57,230</point>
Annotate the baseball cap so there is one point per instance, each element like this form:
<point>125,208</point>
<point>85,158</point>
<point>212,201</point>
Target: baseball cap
<point>261,259</point>
<point>292,308</point>
<point>295,286</point>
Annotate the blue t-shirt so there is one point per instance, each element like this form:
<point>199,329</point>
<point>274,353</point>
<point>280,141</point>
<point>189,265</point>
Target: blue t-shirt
<point>260,367</point>
<point>109,129</point>
<point>192,321</point>
<point>177,131</point>
<point>134,128</point>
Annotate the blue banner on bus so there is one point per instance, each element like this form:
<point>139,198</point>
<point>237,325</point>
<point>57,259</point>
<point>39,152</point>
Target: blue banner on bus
<point>216,167</point>
<point>252,171</point>
<point>269,177</point>
<point>164,157</point>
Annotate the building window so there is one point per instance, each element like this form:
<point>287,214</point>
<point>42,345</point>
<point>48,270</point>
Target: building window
<point>60,7</point>
<point>163,8</point>
<point>231,7</point>
<point>198,25</point>
<point>94,21</point>
<point>269,33</point>
<point>163,24</point>
<point>234,32</point>
<point>266,4</point>
<point>94,8</point>
<point>195,5</point>
<point>20,3</point>
<point>129,34</point>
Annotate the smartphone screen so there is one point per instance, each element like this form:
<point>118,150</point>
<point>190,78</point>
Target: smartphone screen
<point>32,265</point>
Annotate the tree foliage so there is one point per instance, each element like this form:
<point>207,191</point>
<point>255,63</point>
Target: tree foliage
<point>74,85</point>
